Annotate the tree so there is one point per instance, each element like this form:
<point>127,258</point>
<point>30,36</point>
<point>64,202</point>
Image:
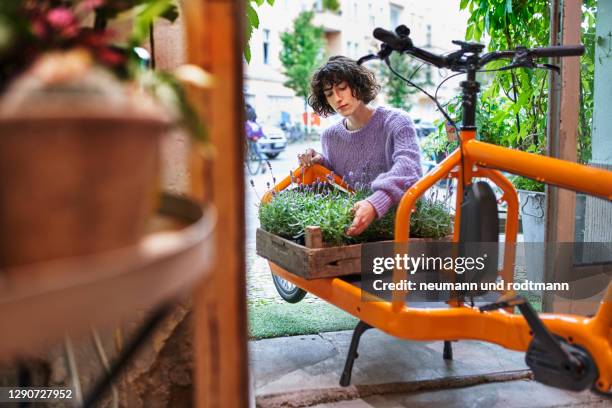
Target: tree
<point>399,92</point>
<point>301,54</point>
<point>331,5</point>
<point>252,22</point>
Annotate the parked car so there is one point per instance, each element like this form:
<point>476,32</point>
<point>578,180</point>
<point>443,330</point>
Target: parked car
<point>273,141</point>
<point>423,129</point>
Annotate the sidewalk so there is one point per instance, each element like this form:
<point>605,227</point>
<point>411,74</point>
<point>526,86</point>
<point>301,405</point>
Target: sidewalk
<point>304,371</point>
<point>259,280</point>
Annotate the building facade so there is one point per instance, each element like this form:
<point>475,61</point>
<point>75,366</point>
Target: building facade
<point>433,24</point>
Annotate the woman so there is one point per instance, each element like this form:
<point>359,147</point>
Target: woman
<point>371,147</point>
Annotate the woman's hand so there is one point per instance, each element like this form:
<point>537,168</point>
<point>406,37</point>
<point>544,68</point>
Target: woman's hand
<point>364,215</point>
<point>309,157</point>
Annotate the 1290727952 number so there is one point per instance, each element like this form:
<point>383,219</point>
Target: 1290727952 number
<point>32,394</point>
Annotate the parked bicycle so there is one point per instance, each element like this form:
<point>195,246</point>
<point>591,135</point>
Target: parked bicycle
<point>254,159</point>
<point>294,133</point>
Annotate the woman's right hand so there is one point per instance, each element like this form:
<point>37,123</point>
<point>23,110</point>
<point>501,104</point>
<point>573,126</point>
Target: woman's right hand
<point>309,157</point>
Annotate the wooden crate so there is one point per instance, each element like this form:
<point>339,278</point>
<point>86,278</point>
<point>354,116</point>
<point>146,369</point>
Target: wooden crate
<point>313,260</point>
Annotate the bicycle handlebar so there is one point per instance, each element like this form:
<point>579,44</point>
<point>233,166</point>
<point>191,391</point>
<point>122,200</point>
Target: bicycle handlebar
<point>392,40</point>
<point>458,59</point>
<point>404,44</point>
<point>558,51</point>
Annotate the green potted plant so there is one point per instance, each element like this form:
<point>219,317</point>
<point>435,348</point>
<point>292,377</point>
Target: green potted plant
<point>443,140</point>
<point>436,145</point>
<point>532,202</point>
<point>80,127</point>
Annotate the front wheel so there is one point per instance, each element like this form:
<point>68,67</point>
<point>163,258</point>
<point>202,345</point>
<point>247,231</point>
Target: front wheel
<point>287,290</point>
<point>254,161</point>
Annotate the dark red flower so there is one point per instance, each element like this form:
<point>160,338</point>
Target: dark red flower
<point>110,57</point>
<point>39,28</point>
<point>94,39</point>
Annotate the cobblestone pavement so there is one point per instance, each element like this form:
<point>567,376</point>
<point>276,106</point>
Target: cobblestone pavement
<point>260,288</point>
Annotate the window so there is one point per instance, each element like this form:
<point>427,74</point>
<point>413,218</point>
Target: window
<point>394,15</point>
<point>278,108</point>
<point>266,47</point>
<point>371,15</point>
<point>349,48</point>
<point>356,54</point>
<point>428,38</point>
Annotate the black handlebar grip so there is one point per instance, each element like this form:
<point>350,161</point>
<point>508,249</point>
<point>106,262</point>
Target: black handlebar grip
<point>391,39</point>
<point>559,51</point>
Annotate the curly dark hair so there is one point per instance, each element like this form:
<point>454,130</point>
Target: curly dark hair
<point>338,69</point>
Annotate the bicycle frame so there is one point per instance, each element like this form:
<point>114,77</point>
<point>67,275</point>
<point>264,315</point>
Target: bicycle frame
<point>461,321</point>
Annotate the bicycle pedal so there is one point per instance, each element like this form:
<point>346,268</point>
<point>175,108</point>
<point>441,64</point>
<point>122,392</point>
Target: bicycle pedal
<point>553,360</point>
<point>577,372</point>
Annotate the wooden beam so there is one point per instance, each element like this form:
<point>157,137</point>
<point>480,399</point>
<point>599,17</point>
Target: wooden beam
<point>214,31</point>
<point>562,141</point>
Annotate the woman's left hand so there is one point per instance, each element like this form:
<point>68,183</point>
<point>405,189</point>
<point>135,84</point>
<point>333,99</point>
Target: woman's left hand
<point>364,215</point>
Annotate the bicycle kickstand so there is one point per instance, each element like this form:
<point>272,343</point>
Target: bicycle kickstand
<point>345,379</point>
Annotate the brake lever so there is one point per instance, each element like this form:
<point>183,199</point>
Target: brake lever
<point>367,58</point>
<point>524,59</point>
<point>549,67</point>
<point>383,54</point>
<point>509,67</point>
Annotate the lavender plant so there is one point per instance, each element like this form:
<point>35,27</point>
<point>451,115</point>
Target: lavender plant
<point>322,204</point>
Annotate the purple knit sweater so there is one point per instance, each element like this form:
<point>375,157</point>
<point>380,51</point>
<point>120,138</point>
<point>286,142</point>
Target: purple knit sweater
<point>383,156</point>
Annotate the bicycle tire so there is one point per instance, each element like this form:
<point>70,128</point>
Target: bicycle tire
<point>287,290</point>
<point>254,161</point>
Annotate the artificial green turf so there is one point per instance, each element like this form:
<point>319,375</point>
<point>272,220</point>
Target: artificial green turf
<point>270,319</point>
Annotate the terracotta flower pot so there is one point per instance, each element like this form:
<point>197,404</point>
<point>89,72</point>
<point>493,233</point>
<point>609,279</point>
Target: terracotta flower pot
<point>79,155</point>
<point>74,186</point>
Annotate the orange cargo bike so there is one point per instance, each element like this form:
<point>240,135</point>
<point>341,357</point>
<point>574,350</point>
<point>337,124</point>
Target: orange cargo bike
<point>566,351</point>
